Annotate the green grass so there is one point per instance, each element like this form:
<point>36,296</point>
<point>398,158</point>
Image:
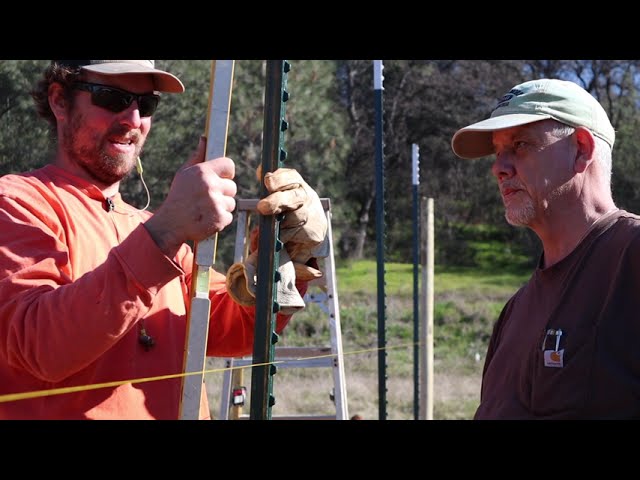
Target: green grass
<point>361,277</point>
<point>467,301</point>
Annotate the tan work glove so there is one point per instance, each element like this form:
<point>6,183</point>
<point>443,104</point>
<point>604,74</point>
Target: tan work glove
<point>304,273</point>
<point>304,227</point>
<point>303,231</point>
<point>241,283</point>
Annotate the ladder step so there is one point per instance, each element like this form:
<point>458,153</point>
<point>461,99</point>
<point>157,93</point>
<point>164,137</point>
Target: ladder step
<point>302,352</point>
<point>303,417</point>
<point>296,357</point>
<point>293,357</point>
<point>249,204</point>
<point>294,417</point>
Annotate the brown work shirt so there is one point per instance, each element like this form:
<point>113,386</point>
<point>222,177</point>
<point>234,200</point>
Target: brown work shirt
<point>567,344</point>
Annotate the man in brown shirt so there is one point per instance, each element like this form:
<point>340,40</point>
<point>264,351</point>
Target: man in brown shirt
<point>566,344</point>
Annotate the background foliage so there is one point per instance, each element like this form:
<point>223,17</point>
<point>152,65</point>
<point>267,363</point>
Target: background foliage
<point>330,140</point>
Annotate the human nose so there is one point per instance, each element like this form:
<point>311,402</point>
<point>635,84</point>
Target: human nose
<point>502,166</point>
<point>131,115</point>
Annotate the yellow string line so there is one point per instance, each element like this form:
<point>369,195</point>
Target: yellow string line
<point>11,397</point>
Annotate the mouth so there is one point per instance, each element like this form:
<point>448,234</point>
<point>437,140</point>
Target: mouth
<point>122,141</point>
<point>509,191</point>
<point>126,141</point>
<point>123,144</point>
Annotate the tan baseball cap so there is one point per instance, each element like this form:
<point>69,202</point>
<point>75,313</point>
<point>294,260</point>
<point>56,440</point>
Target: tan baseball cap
<point>530,102</point>
<point>164,81</point>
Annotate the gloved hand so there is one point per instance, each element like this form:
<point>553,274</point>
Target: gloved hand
<point>241,283</point>
<point>303,231</point>
<point>304,272</point>
<point>304,227</point>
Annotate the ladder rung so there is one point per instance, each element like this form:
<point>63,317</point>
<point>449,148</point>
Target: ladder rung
<point>249,204</point>
<point>298,357</point>
<point>302,352</point>
<point>294,357</point>
<point>295,417</point>
<point>303,417</point>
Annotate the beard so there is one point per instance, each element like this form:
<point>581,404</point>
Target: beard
<point>90,155</point>
<point>519,212</point>
<point>521,215</point>
<point>524,213</point>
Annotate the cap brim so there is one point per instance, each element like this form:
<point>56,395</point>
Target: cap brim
<point>163,81</point>
<point>476,140</point>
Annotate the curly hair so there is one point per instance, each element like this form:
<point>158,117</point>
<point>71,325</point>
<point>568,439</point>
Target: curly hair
<point>54,73</point>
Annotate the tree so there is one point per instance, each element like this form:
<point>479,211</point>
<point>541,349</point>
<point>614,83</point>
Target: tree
<point>24,139</point>
<point>315,141</point>
<point>330,140</point>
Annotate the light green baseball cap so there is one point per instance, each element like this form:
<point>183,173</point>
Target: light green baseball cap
<point>530,102</point>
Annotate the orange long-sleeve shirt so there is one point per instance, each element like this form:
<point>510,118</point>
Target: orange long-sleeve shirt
<point>78,281</point>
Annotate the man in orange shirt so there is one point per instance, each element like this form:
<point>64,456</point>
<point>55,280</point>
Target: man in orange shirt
<point>93,290</point>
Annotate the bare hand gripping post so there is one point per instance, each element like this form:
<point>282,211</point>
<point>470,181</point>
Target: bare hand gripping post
<point>205,251</point>
<point>273,155</point>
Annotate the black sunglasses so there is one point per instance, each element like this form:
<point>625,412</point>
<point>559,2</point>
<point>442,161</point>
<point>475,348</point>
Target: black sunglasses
<point>117,100</point>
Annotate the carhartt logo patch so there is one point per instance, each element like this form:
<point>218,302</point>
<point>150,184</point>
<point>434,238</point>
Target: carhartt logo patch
<point>554,358</point>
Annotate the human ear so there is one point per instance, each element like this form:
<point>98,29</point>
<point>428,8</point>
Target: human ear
<point>585,148</point>
<point>57,101</point>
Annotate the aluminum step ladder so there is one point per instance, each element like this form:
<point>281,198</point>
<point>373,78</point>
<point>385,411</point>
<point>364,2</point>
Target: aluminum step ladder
<point>323,292</point>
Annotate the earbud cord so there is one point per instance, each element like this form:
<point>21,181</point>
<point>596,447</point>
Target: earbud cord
<point>140,170</point>
<point>144,339</point>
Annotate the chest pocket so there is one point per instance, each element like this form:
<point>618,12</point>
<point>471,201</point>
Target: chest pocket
<point>561,380</point>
